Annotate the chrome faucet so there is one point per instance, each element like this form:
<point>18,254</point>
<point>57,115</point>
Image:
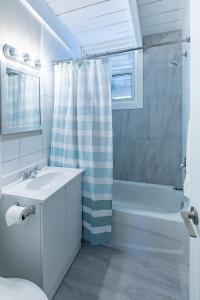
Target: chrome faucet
<point>31,173</point>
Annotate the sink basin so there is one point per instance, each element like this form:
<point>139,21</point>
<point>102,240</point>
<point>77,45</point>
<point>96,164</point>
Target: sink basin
<point>48,181</point>
<point>44,181</point>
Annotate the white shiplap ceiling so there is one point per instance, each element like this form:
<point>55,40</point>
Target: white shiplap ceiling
<point>157,16</point>
<point>103,25</point>
<point>97,25</point>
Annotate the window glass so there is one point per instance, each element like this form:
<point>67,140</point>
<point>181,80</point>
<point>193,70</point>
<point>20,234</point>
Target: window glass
<point>122,87</point>
<point>122,76</point>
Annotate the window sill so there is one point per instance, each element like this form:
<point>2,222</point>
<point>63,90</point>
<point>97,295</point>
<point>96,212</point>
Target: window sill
<point>118,105</point>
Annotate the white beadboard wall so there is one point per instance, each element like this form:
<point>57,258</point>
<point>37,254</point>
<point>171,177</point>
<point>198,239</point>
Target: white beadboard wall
<point>18,27</point>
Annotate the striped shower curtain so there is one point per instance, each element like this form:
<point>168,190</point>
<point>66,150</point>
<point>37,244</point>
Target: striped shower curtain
<point>82,138</point>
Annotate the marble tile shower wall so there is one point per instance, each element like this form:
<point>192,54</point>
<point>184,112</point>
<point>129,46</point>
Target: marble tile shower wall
<point>147,142</point>
<point>21,150</point>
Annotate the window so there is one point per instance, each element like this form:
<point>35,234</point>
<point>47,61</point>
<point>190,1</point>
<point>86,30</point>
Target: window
<point>122,86</point>
<point>127,80</point>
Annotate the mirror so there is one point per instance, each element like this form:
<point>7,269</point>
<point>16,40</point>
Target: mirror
<point>20,101</point>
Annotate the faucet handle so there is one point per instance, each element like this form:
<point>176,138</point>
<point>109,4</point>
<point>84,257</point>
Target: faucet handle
<point>36,169</point>
<point>25,175</point>
<point>32,173</point>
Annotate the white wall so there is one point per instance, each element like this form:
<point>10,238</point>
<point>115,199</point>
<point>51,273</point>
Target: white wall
<point>19,28</point>
<point>185,80</point>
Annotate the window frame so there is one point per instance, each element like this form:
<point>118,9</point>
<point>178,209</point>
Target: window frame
<point>137,85</point>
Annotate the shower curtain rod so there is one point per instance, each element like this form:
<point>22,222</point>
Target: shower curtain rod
<point>109,53</point>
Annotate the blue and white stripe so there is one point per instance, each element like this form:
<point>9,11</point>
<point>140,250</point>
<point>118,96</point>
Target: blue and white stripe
<point>82,137</point>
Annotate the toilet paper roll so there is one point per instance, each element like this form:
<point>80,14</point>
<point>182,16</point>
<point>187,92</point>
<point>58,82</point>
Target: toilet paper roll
<point>15,215</point>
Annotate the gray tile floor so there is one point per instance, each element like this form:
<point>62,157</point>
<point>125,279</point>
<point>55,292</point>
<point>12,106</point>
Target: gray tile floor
<point>101,273</point>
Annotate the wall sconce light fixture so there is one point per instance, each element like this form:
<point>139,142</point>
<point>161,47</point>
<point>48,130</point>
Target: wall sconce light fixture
<point>21,57</point>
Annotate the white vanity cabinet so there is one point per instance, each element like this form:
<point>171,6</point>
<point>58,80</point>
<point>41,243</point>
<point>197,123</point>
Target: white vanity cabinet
<point>61,220</point>
<point>43,248</point>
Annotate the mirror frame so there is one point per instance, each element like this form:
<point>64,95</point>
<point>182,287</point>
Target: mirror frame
<point>26,70</point>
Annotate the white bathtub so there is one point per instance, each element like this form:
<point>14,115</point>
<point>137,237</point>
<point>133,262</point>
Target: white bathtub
<point>147,219</point>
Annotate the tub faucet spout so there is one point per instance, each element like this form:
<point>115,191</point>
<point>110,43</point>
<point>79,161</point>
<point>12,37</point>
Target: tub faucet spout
<point>178,188</point>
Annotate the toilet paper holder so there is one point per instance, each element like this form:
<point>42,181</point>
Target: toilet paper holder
<point>30,211</point>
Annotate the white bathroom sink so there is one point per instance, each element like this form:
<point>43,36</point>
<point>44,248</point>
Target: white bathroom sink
<point>46,183</point>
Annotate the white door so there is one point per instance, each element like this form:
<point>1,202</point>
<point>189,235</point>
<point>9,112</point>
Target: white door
<point>192,184</point>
